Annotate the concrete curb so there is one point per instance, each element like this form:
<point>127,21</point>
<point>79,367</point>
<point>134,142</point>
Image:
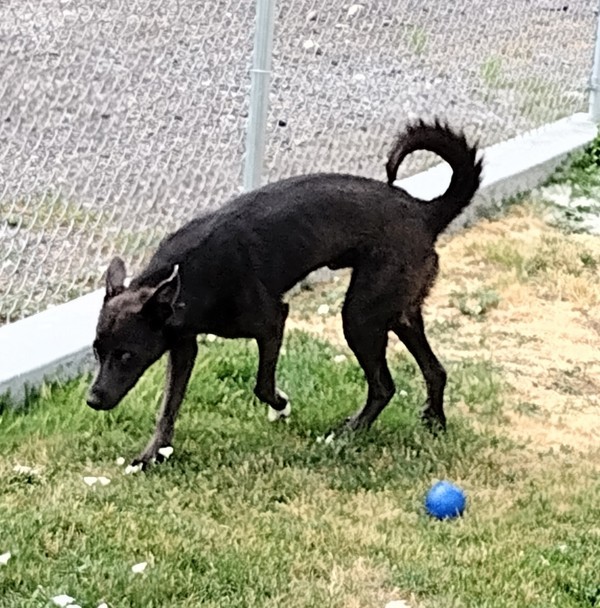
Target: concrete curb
<point>56,344</point>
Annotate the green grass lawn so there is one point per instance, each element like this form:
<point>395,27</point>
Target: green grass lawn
<point>249,514</point>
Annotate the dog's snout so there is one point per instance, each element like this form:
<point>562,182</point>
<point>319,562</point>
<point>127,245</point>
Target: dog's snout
<point>95,400</point>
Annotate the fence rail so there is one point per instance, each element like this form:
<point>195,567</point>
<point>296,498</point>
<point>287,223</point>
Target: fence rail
<point>120,119</point>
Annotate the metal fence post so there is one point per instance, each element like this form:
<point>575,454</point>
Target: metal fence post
<point>595,76</point>
<point>259,93</point>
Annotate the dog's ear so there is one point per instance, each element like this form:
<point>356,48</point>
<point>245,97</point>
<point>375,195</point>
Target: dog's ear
<point>162,302</point>
<point>115,278</point>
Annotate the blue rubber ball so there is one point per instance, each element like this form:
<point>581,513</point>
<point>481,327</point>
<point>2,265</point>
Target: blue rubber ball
<point>445,500</point>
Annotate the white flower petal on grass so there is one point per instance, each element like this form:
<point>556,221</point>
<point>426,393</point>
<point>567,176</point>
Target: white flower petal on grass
<point>22,469</point>
<point>73,606</point>
<point>120,461</point>
<point>323,309</point>
<point>62,600</point>
<point>139,568</point>
<point>402,393</point>
<point>90,481</point>
<point>166,451</point>
<point>131,469</point>
<point>210,337</point>
<point>4,558</point>
<point>327,439</point>
<point>397,604</point>
<point>340,358</point>
<point>103,481</point>
<point>103,605</point>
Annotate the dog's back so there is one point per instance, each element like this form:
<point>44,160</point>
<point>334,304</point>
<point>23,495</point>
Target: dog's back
<point>287,229</point>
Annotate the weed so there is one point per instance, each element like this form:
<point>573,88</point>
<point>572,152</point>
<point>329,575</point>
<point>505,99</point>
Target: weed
<point>581,171</point>
<point>478,385</point>
<point>527,408</point>
<point>49,212</point>
<point>491,71</point>
<point>418,40</point>
<point>475,304</point>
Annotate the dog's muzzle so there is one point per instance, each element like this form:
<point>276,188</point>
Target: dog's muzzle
<point>98,402</point>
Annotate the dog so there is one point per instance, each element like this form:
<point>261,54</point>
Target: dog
<point>226,272</point>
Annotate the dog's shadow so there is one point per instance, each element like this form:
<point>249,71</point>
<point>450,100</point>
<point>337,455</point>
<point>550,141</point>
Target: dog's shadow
<point>398,451</point>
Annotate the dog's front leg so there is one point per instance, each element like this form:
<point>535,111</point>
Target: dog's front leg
<point>180,365</point>
<point>269,345</point>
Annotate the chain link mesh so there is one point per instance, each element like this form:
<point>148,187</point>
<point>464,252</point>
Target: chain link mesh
<point>120,119</point>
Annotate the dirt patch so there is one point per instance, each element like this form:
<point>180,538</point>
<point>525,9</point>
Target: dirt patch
<point>542,332</point>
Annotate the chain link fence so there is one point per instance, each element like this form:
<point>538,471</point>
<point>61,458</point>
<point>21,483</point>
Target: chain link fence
<point>121,119</point>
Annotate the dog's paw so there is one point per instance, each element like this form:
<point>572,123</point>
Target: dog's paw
<point>153,454</point>
<point>273,414</point>
<point>434,422</point>
<point>343,431</point>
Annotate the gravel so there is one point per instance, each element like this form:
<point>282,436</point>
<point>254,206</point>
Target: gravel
<point>121,119</point>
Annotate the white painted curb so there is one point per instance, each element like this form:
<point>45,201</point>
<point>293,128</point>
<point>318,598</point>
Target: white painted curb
<point>56,344</point>
<point>52,345</point>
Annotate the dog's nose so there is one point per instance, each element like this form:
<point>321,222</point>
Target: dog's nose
<point>94,400</point>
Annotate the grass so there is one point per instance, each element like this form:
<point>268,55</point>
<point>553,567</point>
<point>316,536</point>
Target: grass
<point>48,212</point>
<point>491,71</point>
<point>582,172</point>
<point>477,303</point>
<point>417,40</point>
<point>249,514</point>
<point>539,99</point>
<point>547,253</point>
<point>553,263</point>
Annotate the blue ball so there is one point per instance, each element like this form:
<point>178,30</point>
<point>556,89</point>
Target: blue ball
<point>445,500</point>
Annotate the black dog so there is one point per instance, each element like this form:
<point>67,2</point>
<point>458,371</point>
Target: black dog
<point>225,273</point>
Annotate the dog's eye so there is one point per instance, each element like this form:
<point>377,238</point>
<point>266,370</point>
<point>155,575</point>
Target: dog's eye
<point>123,357</point>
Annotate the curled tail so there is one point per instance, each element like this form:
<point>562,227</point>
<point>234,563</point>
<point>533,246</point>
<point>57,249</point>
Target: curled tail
<point>453,148</point>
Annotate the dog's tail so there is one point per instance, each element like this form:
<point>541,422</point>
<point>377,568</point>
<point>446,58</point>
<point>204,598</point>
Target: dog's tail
<point>453,148</point>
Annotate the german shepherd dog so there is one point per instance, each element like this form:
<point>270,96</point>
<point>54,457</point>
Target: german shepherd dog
<point>226,272</point>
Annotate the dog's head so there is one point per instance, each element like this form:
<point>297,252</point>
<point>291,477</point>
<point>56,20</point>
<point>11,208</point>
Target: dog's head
<point>131,333</point>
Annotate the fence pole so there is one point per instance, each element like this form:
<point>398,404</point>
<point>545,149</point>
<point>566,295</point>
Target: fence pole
<point>259,93</point>
<point>595,77</point>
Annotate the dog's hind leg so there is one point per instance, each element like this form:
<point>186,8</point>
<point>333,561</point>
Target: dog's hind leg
<point>179,369</point>
<point>269,340</point>
<point>411,332</point>
<point>365,317</point>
